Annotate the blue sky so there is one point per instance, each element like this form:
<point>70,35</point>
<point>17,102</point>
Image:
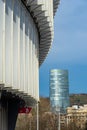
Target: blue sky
<point>69,48</point>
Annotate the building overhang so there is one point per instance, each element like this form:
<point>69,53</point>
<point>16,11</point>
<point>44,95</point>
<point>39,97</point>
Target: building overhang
<point>43,14</point>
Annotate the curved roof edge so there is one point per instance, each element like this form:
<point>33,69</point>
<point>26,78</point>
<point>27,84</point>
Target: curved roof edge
<point>55,5</point>
<point>43,14</point>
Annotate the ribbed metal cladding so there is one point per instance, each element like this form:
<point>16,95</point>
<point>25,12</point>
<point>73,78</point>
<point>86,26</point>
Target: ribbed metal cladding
<point>26,34</point>
<point>19,51</point>
<point>55,5</point>
<point>43,13</point>
<point>59,90</point>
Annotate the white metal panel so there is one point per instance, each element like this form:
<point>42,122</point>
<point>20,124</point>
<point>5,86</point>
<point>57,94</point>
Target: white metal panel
<point>29,69</point>
<point>31,58</point>
<point>15,44</point>
<point>36,67</point>
<point>21,49</point>
<point>42,11</point>
<point>24,87</point>
<point>4,4</point>
<point>26,52</point>
<point>1,39</point>
<point>19,6</point>
<point>8,43</point>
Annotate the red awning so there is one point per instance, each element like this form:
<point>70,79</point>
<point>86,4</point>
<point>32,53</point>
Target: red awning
<point>25,110</point>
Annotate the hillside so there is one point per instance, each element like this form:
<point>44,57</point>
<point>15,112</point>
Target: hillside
<point>79,99</point>
<point>25,120</point>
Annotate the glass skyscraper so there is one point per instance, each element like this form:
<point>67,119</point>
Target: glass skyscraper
<point>59,90</point>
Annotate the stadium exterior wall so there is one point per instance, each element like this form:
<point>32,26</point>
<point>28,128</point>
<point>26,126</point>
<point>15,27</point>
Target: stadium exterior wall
<point>26,34</point>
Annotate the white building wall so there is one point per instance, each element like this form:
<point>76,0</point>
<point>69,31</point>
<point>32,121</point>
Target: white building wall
<point>26,34</point>
<point>19,46</point>
<point>42,11</point>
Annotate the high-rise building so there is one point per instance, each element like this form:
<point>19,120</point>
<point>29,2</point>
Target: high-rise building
<point>26,34</point>
<point>59,90</point>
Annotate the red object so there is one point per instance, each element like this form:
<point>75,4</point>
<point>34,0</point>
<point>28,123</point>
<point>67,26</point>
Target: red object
<point>25,110</point>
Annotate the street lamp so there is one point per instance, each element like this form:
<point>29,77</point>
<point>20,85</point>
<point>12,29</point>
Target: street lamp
<point>59,120</point>
<point>37,115</point>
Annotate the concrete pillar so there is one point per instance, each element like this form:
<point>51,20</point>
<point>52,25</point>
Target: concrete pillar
<point>8,112</point>
<point>3,117</point>
<point>13,106</point>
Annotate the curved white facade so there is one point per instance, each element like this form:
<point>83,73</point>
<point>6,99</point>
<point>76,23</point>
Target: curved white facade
<point>26,33</point>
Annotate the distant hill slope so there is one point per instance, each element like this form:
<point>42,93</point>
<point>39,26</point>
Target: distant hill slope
<point>44,105</point>
<point>24,120</point>
<point>75,99</point>
<point>79,99</point>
